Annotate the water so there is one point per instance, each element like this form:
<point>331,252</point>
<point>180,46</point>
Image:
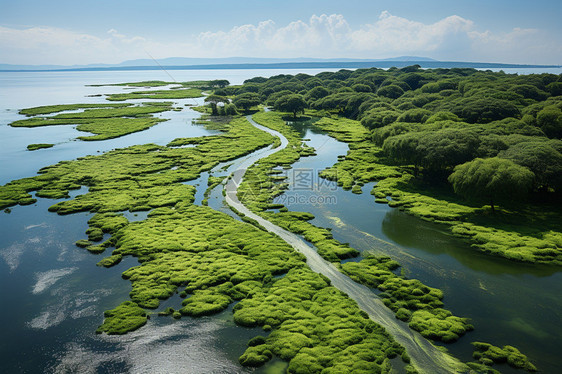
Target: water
<point>53,295</point>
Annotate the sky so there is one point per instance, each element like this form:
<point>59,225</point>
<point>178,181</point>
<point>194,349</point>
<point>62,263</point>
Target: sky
<point>64,32</point>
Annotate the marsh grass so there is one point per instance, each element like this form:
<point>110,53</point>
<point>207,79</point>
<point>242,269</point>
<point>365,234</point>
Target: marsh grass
<point>106,122</point>
<point>488,354</point>
<point>36,146</point>
<point>182,93</point>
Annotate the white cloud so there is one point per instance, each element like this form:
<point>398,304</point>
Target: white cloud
<point>451,38</point>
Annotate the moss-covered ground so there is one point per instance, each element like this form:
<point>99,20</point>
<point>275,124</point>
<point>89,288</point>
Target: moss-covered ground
<point>517,231</point>
<point>49,109</point>
<point>488,354</point>
<point>208,257</point>
<point>36,146</point>
<point>109,121</point>
<point>196,84</point>
<point>409,299</point>
<point>180,93</point>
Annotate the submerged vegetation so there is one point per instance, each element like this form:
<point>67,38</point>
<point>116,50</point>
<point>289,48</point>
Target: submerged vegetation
<point>106,121</point>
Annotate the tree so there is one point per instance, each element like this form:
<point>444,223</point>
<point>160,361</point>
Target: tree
<point>379,117</point>
<point>415,115</point>
<point>541,158</point>
<point>213,100</point>
<point>483,110</point>
<point>359,87</point>
<point>246,100</point>
<point>434,150</point>
<point>550,121</point>
<point>392,91</point>
<point>492,179</point>
<point>221,83</point>
<point>316,93</point>
<point>445,148</point>
<point>291,103</point>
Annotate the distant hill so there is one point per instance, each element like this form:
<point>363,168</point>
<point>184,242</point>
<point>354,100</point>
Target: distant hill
<point>185,63</point>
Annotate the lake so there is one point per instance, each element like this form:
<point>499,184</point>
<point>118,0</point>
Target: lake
<point>54,295</point>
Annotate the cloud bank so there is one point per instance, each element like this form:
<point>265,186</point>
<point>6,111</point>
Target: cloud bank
<point>324,36</point>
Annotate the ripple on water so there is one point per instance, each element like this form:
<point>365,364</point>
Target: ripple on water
<point>67,304</point>
<point>156,349</point>
<point>46,279</point>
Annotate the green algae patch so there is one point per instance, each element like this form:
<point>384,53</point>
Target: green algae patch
<point>314,325</point>
<point>49,109</point>
<point>36,146</point>
<point>110,261</point>
<point>83,243</point>
<point>205,302</point>
<point>125,318</point>
<point>106,122</point>
<point>188,93</point>
<point>409,299</point>
<point>488,354</point>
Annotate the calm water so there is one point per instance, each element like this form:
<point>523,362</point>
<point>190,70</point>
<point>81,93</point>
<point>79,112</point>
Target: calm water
<point>54,295</point>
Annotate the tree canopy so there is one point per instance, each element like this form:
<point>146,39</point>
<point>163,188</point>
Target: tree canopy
<point>493,179</point>
<point>246,100</point>
<point>542,158</point>
<point>293,103</point>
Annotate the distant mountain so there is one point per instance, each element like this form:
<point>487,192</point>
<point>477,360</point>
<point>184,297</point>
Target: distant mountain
<point>190,61</point>
<point>185,63</point>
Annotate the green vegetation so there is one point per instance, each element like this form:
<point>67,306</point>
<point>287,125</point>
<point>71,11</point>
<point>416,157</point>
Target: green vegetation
<point>492,178</point>
<point>34,147</point>
<point>414,126</point>
<point>49,109</point>
<point>211,259</point>
<point>126,317</point>
<point>246,100</point>
<point>488,354</point>
<point>290,103</point>
<point>411,300</point>
<point>180,93</point>
<point>106,122</point>
<point>197,84</point>
<point>317,328</point>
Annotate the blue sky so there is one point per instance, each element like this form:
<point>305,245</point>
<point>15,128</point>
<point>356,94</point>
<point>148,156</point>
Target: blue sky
<point>72,32</point>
